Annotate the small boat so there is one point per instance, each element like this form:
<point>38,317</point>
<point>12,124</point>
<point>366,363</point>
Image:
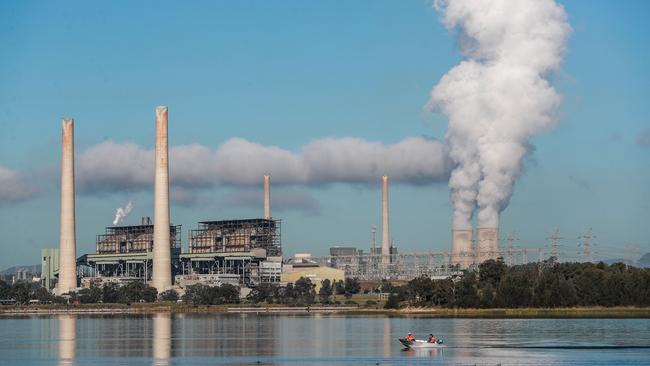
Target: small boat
<point>419,343</point>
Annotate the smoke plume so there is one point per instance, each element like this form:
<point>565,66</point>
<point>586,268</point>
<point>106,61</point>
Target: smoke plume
<point>498,97</point>
<point>122,212</point>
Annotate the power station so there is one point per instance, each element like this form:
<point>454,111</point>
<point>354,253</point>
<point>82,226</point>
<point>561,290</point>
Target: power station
<point>245,252</point>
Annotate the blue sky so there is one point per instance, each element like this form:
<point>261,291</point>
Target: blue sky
<point>285,73</point>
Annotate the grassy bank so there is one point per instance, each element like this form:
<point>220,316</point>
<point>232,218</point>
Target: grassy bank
<point>150,308</point>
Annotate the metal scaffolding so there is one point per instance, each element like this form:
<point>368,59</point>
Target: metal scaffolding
<point>406,266</point>
<point>133,239</point>
<point>231,236</point>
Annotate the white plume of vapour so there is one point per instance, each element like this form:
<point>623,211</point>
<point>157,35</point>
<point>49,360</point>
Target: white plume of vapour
<point>122,212</point>
<point>498,97</point>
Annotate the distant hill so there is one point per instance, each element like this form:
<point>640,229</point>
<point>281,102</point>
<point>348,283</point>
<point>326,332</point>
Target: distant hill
<point>34,268</point>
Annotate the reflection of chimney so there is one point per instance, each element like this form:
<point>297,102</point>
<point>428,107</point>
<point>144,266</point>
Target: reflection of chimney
<point>461,247</point>
<point>67,337</point>
<point>267,196</point>
<point>68,245</point>
<point>487,244</point>
<point>162,338</point>
<point>162,276</point>
<point>385,232</point>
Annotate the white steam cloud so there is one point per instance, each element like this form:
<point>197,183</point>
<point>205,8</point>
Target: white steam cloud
<point>498,97</point>
<point>111,167</point>
<point>122,212</point>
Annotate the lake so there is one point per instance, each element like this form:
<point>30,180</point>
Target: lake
<point>222,339</point>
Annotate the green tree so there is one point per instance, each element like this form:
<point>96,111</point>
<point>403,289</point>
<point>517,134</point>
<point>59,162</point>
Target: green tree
<point>169,295</point>
<point>5,290</point>
<point>110,293</point>
<point>21,291</point>
<point>90,295</point>
<point>392,302</point>
<point>304,291</point>
<point>325,291</point>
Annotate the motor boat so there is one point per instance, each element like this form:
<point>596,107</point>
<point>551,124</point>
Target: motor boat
<point>419,343</point>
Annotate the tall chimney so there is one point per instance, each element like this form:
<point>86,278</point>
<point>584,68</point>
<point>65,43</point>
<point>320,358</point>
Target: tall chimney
<point>67,238</point>
<point>162,266</point>
<point>267,196</point>
<point>487,244</point>
<point>461,247</point>
<point>385,232</point>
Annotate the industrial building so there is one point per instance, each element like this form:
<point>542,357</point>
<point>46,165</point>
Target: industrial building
<point>301,265</point>
<point>49,267</point>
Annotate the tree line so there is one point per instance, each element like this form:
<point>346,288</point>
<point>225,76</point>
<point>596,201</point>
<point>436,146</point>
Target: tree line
<point>303,292</point>
<point>548,284</point>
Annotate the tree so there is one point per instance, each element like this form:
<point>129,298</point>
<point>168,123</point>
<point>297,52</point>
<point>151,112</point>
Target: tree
<point>21,292</point>
<point>304,291</point>
<point>325,291</point>
<point>339,287</point>
<point>90,295</point>
<point>392,302</point>
<point>5,290</point>
<point>42,295</point>
<point>265,292</point>
<point>169,295</point>
<point>136,291</point>
<point>352,286</point>
<point>110,293</point>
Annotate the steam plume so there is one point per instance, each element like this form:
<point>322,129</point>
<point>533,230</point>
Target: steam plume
<point>122,213</point>
<point>498,97</point>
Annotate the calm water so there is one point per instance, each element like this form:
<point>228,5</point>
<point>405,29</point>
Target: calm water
<point>165,339</point>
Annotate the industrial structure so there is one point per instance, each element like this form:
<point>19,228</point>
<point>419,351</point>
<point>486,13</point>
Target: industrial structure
<point>67,244</point>
<point>49,267</point>
<point>162,273</point>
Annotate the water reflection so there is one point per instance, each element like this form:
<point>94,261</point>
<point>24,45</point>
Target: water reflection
<point>193,339</point>
<point>162,339</point>
<point>67,339</point>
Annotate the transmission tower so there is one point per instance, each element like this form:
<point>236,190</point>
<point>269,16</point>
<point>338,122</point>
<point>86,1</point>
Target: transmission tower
<point>555,244</point>
<point>586,245</point>
<point>510,237</point>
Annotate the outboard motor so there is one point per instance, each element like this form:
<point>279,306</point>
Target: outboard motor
<point>439,341</point>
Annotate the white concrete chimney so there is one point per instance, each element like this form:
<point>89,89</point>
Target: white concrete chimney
<point>487,244</point>
<point>267,196</point>
<point>67,238</point>
<point>385,232</point>
<point>162,267</point>
<point>461,247</point>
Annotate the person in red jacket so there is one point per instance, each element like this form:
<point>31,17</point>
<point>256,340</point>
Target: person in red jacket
<point>409,337</point>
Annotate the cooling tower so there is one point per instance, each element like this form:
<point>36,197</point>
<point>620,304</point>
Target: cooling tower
<point>487,244</point>
<point>385,232</point>
<point>68,245</point>
<point>267,196</point>
<point>162,275</point>
<point>461,247</point>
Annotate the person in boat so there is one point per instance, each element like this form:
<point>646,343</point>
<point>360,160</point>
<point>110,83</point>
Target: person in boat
<point>409,337</point>
<point>431,339</point>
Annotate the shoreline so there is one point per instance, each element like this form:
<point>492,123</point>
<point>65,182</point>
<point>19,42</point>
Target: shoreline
<point>145,309</point>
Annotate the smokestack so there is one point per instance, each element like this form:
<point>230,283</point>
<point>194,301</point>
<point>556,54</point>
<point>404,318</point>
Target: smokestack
<point>461,247</point>
<point>487,244</point>
<point>385,232</point>
<point>162,276</point>
<point>67,239</point>
<point>267,196</point>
